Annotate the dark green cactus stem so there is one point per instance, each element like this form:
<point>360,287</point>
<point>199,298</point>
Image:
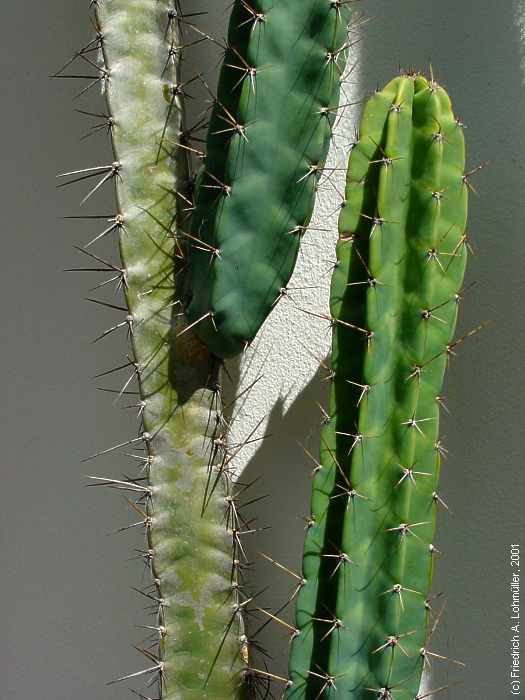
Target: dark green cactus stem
<point>363,612</point>
<point>268,138</point>
<point>189,548</point>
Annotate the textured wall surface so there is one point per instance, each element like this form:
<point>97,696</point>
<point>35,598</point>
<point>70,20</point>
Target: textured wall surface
<point>66,604</point>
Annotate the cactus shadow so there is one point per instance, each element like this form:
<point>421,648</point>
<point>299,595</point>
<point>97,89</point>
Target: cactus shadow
<point>281,471</point>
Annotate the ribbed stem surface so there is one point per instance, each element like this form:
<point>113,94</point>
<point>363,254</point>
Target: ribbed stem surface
<point>268,139</point>
<point>363,613</point>
<point>190,549</point>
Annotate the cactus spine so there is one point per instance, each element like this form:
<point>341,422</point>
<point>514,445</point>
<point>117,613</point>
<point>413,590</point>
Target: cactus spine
<point>268,139</point>
<point>363,612</point>
<point>189,547</point>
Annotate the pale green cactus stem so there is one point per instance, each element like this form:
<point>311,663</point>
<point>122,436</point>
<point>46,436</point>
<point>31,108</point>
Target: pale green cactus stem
<point>190,548</point>
<point>364,610</point>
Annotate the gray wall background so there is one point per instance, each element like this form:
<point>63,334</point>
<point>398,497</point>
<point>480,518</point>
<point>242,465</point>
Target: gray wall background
<point>66,605</point>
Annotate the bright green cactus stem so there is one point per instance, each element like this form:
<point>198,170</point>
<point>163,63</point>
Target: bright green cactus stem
<point>268,138</point>
<point>189,548</point>
<point>363,613</point>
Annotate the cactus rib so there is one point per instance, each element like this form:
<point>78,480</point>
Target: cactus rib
<point>269,134</point>
<point>363,613</point>
<point>189,548</point>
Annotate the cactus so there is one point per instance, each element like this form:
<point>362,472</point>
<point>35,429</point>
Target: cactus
<point>267,142</point>
<point>184,504</point>
<point>194,296</point>
<point>363,611</point>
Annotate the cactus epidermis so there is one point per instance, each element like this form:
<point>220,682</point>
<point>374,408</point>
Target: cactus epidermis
<point>363,613</point>
<point>189,545</point>
<point>268,139</point>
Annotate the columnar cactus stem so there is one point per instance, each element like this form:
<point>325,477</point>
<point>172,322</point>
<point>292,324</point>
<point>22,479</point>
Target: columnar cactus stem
<point>363,613</point>
<point>189,546</point>
<point>269,134</point>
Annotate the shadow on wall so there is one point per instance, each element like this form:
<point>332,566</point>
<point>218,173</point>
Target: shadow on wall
<point>279,475</point>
